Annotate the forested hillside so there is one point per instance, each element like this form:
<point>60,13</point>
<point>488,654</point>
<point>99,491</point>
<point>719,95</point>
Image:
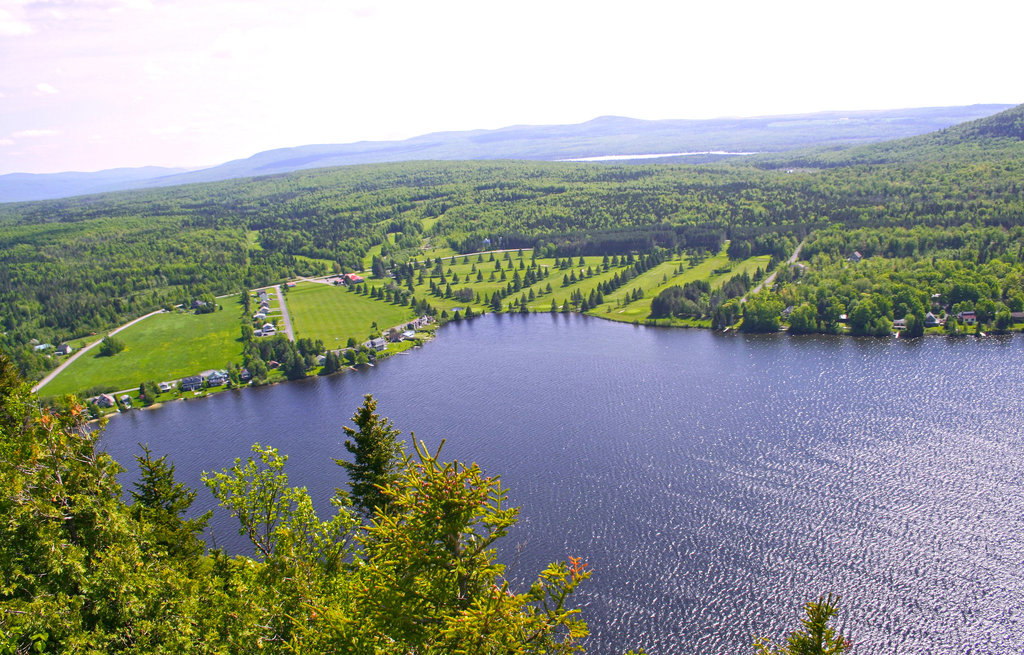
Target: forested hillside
<point>76,266</point>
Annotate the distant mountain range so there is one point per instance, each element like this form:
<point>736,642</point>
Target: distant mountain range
<point>601,137</point>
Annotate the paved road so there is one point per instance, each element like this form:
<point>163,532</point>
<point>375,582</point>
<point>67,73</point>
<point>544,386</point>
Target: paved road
<point>284,313</point>
<point>52,374</point>
<point>771,278</point>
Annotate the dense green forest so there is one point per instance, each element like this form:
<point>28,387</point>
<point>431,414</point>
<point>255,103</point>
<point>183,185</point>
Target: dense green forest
<point>72,267</point>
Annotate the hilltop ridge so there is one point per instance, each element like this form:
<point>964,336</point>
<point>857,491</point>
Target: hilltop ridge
<point>599,137</point>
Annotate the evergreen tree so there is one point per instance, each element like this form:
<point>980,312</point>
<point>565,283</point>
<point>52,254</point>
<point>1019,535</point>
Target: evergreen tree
<point>376,458</point>
<point>816,638</point>
<point>162,502</point>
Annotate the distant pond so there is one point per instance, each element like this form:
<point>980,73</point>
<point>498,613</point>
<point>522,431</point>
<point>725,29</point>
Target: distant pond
<point>713,482</point>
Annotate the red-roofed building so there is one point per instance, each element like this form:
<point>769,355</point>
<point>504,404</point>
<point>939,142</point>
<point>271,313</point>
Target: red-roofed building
<point>352,278</point>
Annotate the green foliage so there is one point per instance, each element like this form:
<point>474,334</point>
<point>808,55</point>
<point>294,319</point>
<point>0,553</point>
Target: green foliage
<point>761,313</point>
<point>816,638</point>
<point>803,320</point>
<point>81,571</point>
<point>376,457</point>
<point>162,502</point>
<point>110,346</point>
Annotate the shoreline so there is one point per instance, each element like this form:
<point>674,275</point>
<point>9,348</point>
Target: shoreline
<point>730,330</point>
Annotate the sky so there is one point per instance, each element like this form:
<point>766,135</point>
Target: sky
<point>87,85</point>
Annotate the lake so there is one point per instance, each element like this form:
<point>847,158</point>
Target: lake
<point>713,482</point>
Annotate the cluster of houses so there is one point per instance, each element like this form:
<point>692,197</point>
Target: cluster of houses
<point>930,321</point>
<point>62,349</point>
<point>395,335</point>
<point>267,329</point>
<point>211,378</point>
<point>106,401</point>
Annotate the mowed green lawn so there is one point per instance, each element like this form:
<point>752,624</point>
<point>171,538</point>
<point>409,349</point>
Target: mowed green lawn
<point>333,314</point>
<point>162,347</point>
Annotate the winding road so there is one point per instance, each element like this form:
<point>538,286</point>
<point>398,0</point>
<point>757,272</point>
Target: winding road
<point>771,278</point>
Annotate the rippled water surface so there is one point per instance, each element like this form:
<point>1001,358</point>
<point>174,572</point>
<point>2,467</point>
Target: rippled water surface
<point>713,482</point>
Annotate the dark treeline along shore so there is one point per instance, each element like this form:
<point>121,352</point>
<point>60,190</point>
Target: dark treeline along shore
<point>910,236</point>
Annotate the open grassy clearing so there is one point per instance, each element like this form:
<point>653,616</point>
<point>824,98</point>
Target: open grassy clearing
<point>173,345</point>
<point>162,347</point>
<point>333,314</point>
<point>640,309</point>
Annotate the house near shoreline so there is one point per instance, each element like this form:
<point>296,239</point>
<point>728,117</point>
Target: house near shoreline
<point>215,378</point>
<point>420,322</point>
<point>191,383</point>
<point>104,400</point>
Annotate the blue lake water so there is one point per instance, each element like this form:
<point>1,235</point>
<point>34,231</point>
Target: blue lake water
<point>713,482</point>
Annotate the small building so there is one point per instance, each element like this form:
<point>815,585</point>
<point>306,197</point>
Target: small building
<point>968,318</point>
<point>215,378</point>
<point>1016,317</point>
<point>191,383</point>
<point>126,400</point>
<point>856,256</point>
<point>198,304</point>
<point>244,375</point>
<point>41,347</point>
<point>899,324</point>
<point>931,320</point>
<point>352,278</point>
<point>290,285</point>
<point>259,316</point>
<point>378,344</point>
<point>409,335</point>
<point>257,333</point>
<point>269,329</point>
<point>164,387</point>
<point>105,400</point>
<point>64,349</point>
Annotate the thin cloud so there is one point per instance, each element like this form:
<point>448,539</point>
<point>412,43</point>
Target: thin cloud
<point>11,26</point>
<point>6,142</point>
<point>32,134</point>
<point>47,89</point>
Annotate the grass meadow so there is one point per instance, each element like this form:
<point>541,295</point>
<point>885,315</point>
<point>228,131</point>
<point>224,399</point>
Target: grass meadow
<point>333,314</point>
<point>162,347</point>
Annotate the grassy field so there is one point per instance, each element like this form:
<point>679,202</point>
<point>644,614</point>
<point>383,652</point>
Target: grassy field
<point>162,347</point>
<point>322,311</point>
<point>170,346</point>
<point>663,276</point>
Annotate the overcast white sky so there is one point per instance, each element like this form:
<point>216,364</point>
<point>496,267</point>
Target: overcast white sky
<point>94,84</point>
